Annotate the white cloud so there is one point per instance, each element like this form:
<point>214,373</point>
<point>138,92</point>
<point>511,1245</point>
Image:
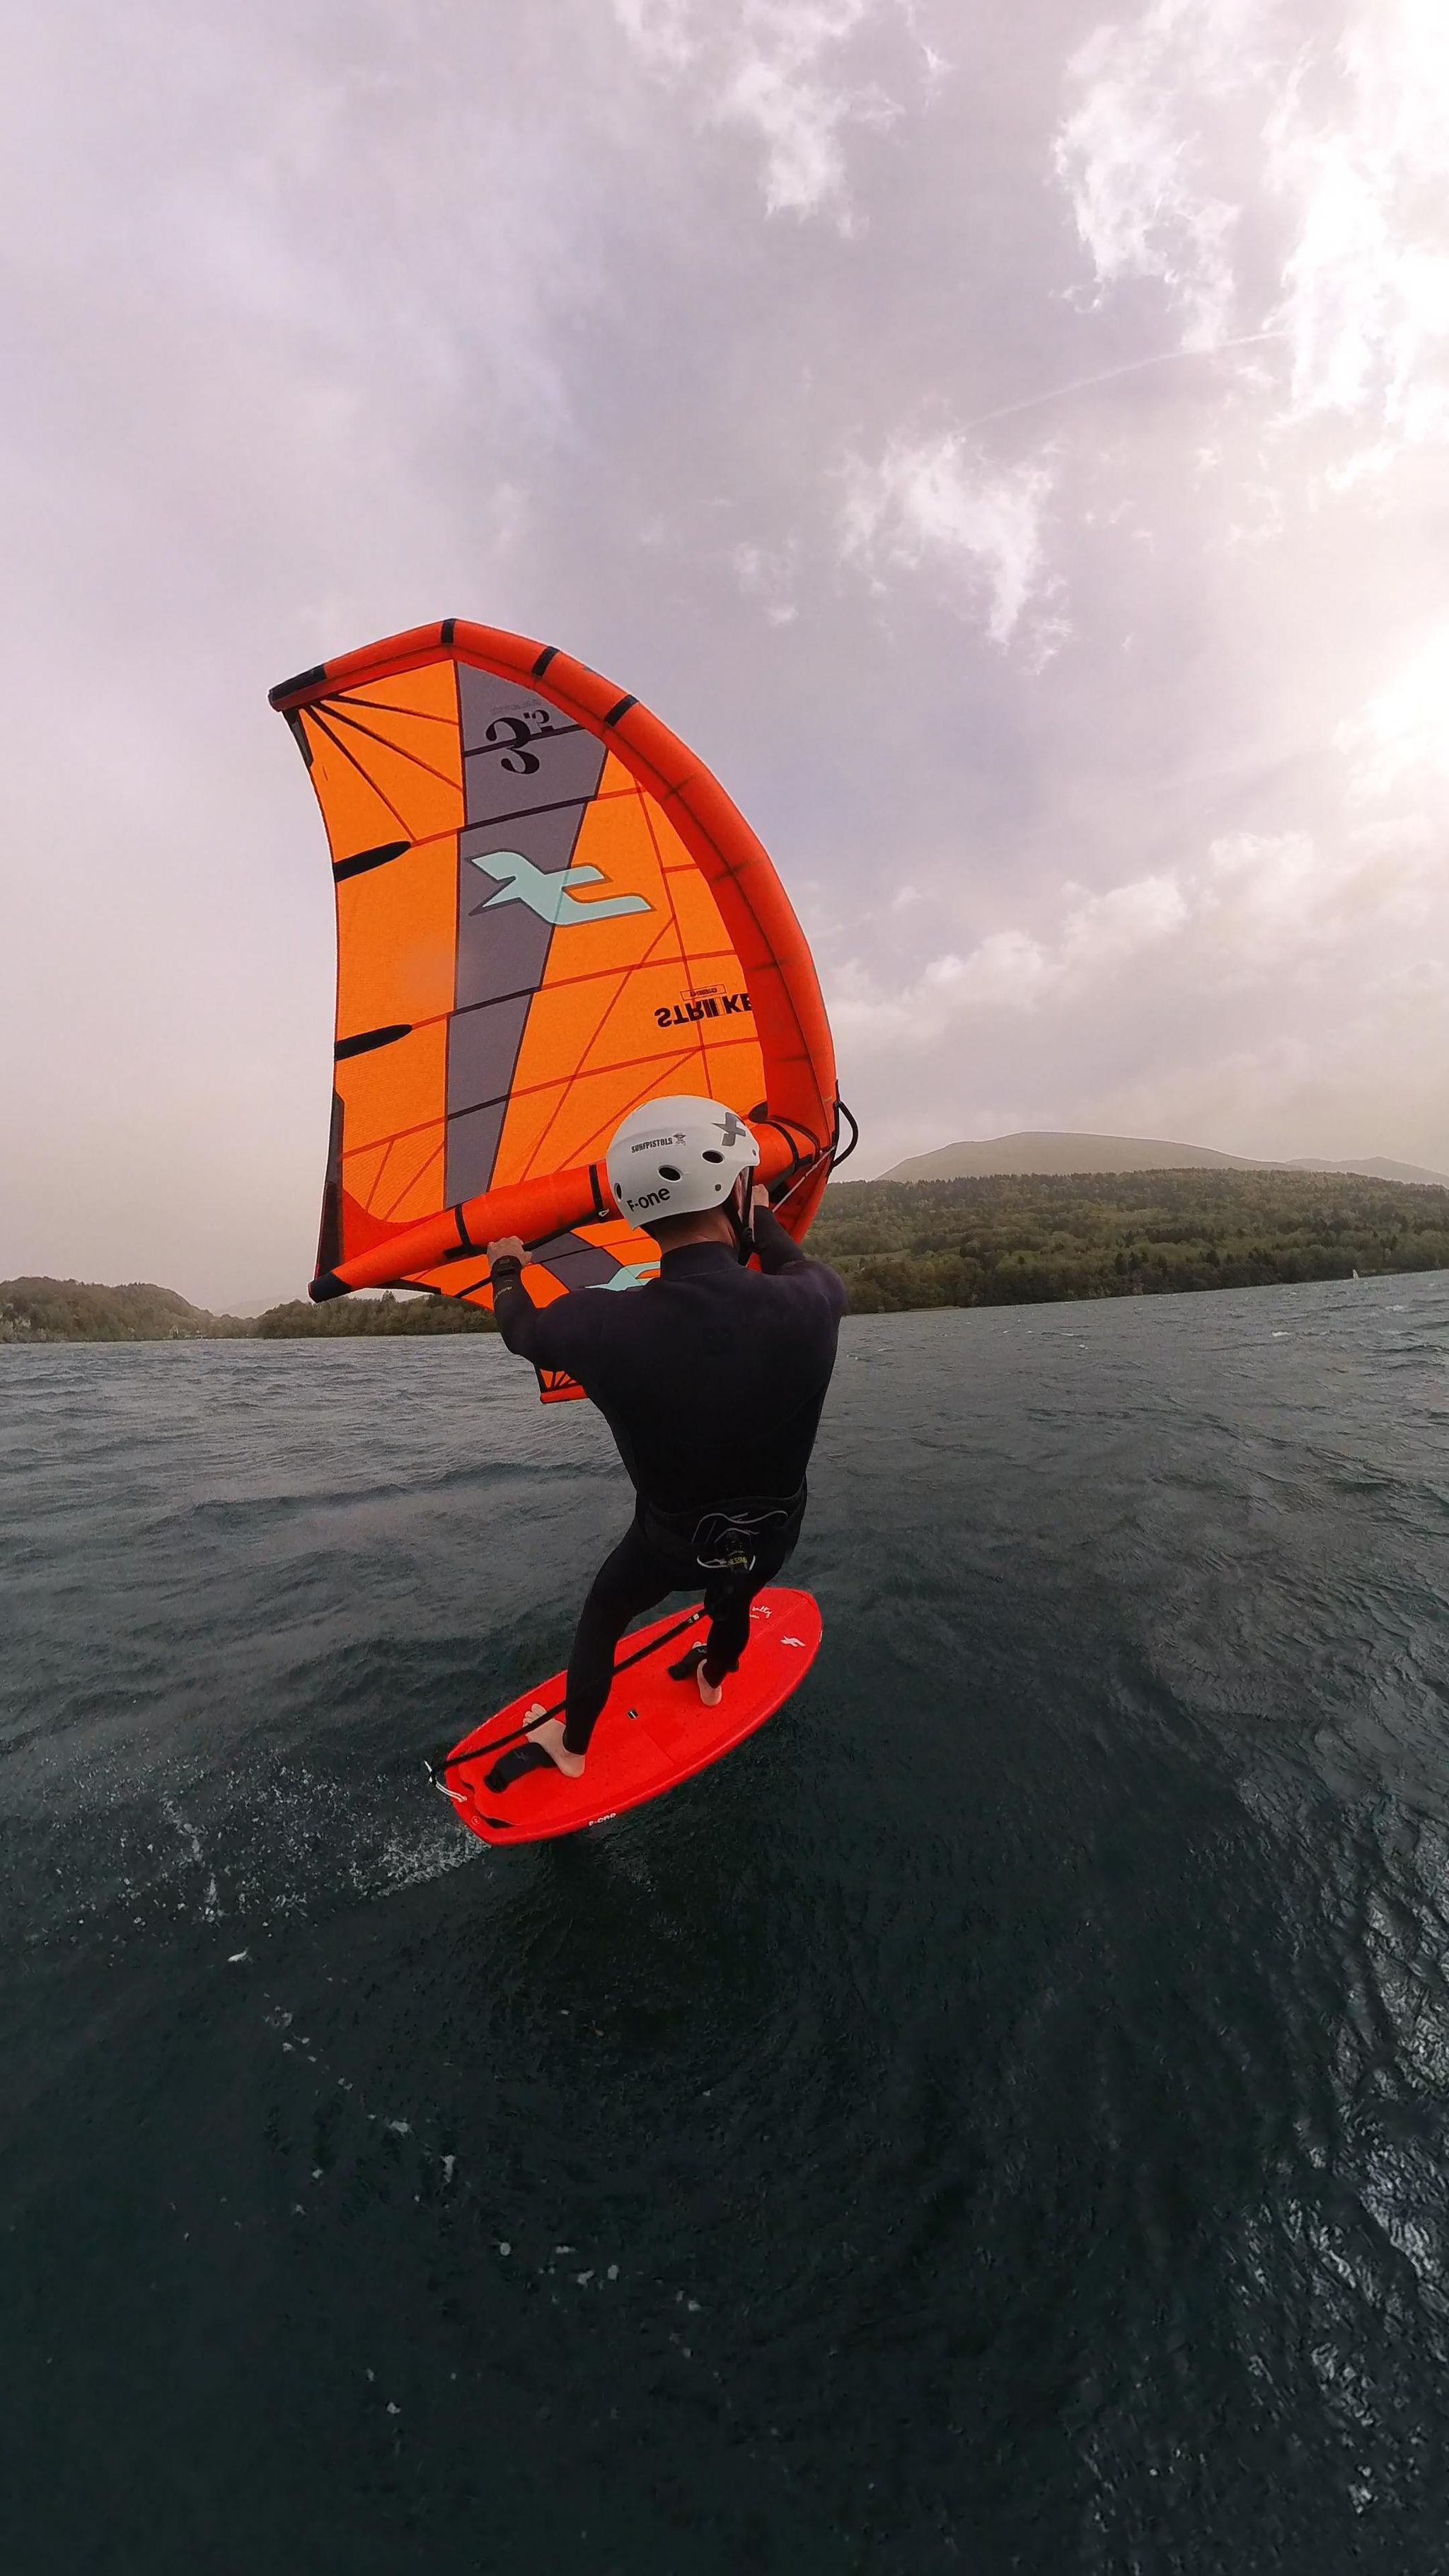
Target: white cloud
<point>936,501</point>
<point>769,574</point>
<point>1366,286</point>
<point>1011,969</point>
<point>664,31</point>
<point>1008,969</point>
<point>1260,911</point>
<point>1134,156</point>
<point>768,66</point>
<point>1352,177</point>
<point>801,118</point>
<point>1286,908</point>
<point>1127,918</point>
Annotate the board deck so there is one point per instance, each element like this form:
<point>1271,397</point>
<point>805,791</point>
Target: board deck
<point>653,1733</point>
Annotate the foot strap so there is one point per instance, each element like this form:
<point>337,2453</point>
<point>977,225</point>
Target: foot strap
<point>688,1664</point>
<point>514,1765</point>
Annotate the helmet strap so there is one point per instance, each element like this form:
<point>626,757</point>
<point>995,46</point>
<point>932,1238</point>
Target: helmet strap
<point>743,1233</point>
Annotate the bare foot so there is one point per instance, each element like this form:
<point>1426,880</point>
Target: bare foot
<point>710,1692</point>
<point>550,1738</point>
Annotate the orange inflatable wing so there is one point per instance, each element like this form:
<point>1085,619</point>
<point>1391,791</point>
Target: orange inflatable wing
<point>548,912</point>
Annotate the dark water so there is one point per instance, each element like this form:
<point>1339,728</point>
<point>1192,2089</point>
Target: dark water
<point>999,2119</point>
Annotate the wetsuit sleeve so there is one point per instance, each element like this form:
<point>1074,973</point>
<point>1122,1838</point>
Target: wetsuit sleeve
<point>780,1255</point>
<point>777,1249</point>
<point>561,1336</point>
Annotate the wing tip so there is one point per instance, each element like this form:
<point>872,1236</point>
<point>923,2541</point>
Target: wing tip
<point>326,1285</point>
<point>292,688</point>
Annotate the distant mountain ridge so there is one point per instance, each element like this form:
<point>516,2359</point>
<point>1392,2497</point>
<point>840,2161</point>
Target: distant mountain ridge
<point>1051,1151</point>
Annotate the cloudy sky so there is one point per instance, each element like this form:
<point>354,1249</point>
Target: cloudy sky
<point>1009,443</point>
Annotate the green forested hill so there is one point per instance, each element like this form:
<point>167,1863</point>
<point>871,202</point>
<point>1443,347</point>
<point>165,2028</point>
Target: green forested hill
<point>81,1310</point>
<point>299,1321</point>
<point>1012,1239</point>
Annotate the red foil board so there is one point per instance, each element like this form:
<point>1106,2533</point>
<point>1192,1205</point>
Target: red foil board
<point>653,1733</point>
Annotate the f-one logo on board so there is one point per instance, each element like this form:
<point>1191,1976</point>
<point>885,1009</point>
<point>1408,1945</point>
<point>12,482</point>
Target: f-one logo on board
<point>703,1006</point>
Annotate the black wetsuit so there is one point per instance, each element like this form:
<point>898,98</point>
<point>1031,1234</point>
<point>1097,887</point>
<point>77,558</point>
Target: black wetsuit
<point>711,1378</point>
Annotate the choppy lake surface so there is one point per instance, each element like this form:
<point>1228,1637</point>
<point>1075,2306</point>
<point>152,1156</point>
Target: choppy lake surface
<point>996,2120</point>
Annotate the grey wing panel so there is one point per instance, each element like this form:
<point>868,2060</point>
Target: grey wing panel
<point>529,774</point>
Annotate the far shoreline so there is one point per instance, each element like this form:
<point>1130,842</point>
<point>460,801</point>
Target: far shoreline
<point>906,1247</point>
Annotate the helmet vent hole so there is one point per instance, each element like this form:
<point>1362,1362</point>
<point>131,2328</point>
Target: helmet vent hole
<point>668,1172</point>
<point>712,1154</point>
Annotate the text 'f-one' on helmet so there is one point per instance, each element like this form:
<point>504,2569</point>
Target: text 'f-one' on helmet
<point>676,1157</point>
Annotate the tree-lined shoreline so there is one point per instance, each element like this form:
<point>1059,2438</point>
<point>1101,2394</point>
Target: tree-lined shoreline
<point>1027,1239</point>
<point>73,1310</point>
<point>1006,1239</point>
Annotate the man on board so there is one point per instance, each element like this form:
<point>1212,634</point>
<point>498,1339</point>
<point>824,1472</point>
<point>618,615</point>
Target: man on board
<point>710,1377</point>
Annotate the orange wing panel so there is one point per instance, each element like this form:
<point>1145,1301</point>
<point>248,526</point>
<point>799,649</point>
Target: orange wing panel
<point>364,1171</point>
<point>356,816</point>
<point>701,931</point>
<point>409,1184</point>
<point>395,1088</point>
<point>397,939</point>
<point>419,698</point>
<point>387,763</point>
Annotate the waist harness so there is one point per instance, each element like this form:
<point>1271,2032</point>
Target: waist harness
<point>728,1539</point>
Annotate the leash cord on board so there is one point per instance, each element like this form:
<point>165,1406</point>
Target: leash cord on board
<point>475,1752</point>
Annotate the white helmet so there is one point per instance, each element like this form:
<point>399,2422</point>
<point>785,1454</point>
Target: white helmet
<point>677,1157</point>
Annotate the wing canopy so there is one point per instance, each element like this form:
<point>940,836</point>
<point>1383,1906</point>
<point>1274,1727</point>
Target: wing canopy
<point>548,912</point>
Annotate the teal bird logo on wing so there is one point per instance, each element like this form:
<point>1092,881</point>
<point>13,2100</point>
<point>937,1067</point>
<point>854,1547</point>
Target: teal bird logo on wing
<point>552,897</point>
